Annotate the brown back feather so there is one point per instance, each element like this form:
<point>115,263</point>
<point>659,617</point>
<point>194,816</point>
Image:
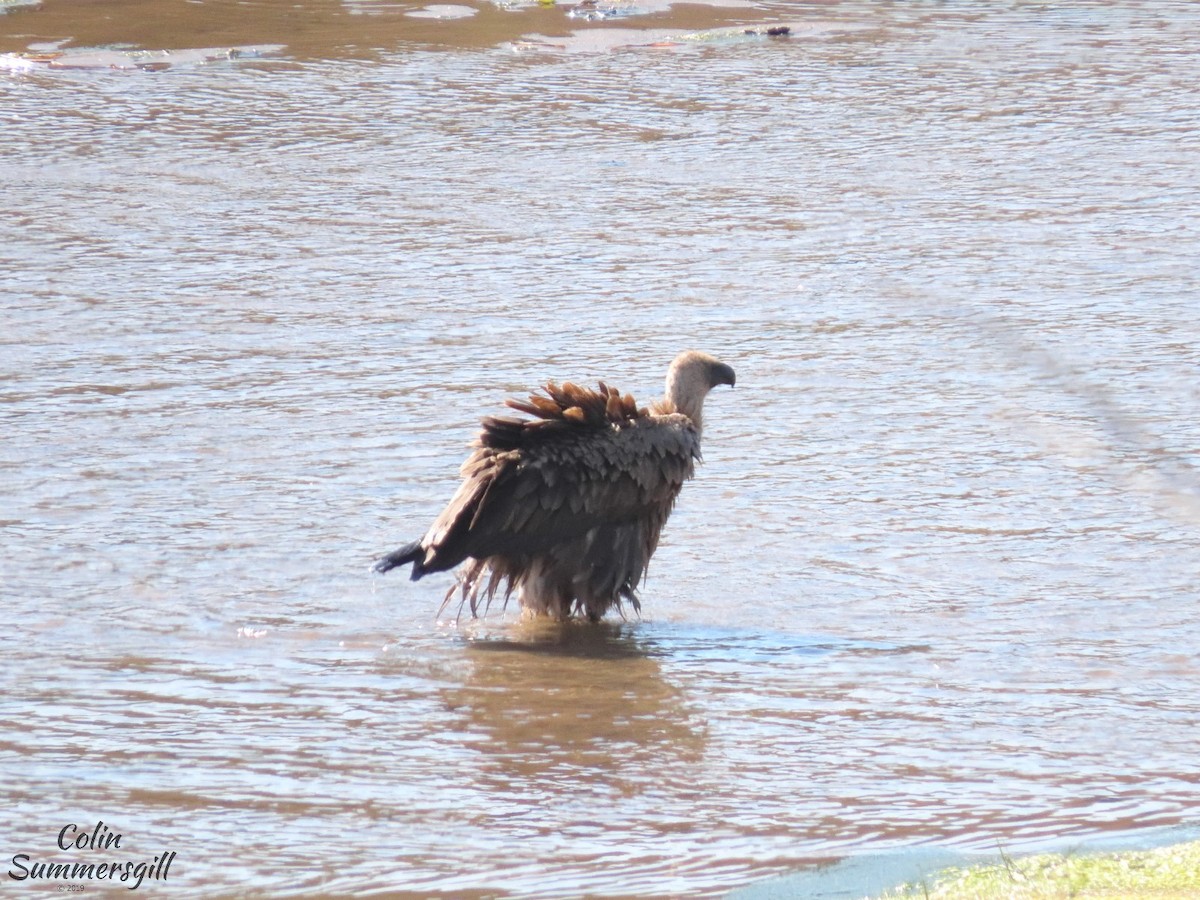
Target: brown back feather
<point>584,459</point>
<point>565,406</point>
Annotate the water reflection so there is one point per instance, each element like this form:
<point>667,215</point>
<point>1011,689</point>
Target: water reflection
<point>572,706</point>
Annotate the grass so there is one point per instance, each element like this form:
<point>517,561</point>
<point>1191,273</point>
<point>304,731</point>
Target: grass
<point>1165,872</point>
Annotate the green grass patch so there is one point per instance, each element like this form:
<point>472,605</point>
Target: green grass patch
<point>1165,872</point>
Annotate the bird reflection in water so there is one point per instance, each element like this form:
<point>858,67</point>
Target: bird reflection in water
<point>569,704</point>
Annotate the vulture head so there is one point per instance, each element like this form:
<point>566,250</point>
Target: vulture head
<point>691,376</point>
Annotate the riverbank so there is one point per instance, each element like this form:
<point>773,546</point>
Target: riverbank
<point>1172,871</point>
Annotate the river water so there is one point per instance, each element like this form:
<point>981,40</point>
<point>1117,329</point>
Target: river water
<point>935,584</point>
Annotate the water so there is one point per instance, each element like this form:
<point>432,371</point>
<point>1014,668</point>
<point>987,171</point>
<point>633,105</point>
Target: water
<point>934,585</point>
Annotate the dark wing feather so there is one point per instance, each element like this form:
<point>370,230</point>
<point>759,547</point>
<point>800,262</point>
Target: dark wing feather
<point>534,483</point>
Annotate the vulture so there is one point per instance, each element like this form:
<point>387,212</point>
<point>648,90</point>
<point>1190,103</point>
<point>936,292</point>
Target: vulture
<point>565,507</point>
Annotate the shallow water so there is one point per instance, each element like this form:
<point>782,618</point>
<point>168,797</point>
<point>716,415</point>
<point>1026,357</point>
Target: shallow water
<point>935,584</point>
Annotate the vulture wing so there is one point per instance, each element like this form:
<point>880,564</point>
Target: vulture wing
<point>586,459</point>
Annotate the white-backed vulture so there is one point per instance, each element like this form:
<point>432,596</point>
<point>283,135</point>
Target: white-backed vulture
<point>566,507</point>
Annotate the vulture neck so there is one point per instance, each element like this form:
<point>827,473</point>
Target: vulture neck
<point>686,395</point>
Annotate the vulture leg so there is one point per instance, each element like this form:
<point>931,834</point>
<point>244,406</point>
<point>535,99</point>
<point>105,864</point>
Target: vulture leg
<point>543,591</point>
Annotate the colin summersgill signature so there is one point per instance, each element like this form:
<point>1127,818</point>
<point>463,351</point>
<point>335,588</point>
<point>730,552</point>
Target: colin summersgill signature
<point>101,838</point>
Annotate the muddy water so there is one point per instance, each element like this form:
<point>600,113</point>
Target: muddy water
<point>935,585</point>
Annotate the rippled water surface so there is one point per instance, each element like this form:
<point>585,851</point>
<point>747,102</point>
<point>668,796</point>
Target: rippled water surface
<point>935,584</point>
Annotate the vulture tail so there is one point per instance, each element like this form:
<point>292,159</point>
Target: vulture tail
<point>409,553</point>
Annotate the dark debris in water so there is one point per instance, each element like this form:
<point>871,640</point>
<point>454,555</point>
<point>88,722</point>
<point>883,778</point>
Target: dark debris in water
<point>610,38</point>
<point>770,31</point>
